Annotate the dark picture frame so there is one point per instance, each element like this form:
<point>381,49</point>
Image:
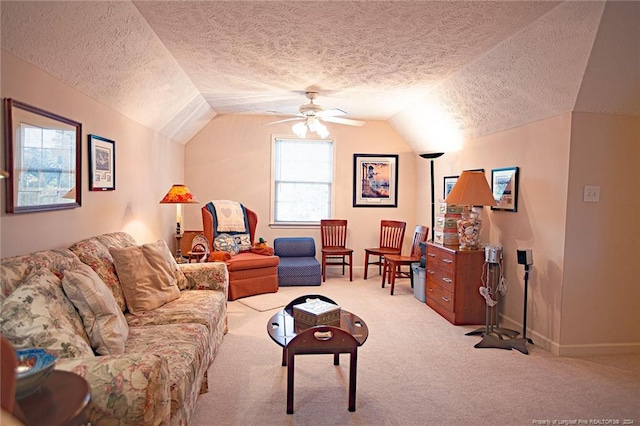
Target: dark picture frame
<point>102,164</point>
<point>449,182</point>
<point>504,186</point>
<point>43,159</point>
<point>375,180</point>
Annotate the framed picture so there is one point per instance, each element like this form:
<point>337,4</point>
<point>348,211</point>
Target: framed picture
<point>449,182</point>
<point>375,180</point>
<point>504,185</point>
<point>102,164</point>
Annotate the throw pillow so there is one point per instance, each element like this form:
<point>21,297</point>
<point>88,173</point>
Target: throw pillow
<point>39,315</point>
<point>225,242</point>
<point>103,320</point>
<point>181,279</point>
<point>146,277</point>
<point>243,241</point>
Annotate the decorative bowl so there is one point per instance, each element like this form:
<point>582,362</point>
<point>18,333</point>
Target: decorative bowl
<point>34,366</point>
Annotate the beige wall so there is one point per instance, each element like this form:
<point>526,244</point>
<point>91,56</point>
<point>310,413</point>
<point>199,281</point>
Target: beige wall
<point>146,166</point>
<point>601,293</point>
<point>231,159</point>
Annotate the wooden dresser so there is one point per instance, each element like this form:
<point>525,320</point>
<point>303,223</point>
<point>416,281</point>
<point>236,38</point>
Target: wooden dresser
<point>452,283</point>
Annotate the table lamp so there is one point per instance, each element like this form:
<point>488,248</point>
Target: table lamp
<point>470,190</point>
<point>179,194</point>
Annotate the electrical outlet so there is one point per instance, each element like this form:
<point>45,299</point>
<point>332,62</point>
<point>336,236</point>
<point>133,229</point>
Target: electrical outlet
<point>591,194</point>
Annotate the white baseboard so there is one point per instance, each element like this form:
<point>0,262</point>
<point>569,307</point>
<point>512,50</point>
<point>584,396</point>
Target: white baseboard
<point>555,348</point>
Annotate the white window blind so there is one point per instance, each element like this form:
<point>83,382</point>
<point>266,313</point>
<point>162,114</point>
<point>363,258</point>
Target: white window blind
<point>302,180</point>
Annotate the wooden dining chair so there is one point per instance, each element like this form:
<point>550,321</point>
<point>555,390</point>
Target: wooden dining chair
<point>393,263</point>
<point>391,239</point>
<point>333,233</point>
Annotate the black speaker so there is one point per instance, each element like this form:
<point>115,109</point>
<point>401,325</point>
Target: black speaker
<point>525,257</point>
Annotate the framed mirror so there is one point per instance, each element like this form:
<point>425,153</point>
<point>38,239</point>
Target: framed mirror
<point>43,155</point>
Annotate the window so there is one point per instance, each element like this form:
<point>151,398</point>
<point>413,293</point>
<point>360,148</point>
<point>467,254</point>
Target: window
<point>302,180</point>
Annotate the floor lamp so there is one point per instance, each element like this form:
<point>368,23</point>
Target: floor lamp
<point>179,194</point>
<point>432,156</point>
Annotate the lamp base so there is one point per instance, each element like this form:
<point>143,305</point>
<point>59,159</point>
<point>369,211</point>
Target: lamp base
<point>469,230</point>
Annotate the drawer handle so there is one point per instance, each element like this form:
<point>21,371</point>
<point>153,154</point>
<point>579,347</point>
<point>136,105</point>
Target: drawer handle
<point>430,289</point>
<point>446,299</point>
<point>431,255</point>
<point>447,280</point>
<point>447,260</point>
<point>431,272</point>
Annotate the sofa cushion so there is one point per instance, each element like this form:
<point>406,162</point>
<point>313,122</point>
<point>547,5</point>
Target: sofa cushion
<point>248,260</point>
<point>103,320</point>
<point>146,277</point>
<point>294,247</point>
<point>14,270</point>
<point>193,307</point>
<point>181,280</point>
<point>38,314</point>
<point>95,253</point>
<point>186,348</point>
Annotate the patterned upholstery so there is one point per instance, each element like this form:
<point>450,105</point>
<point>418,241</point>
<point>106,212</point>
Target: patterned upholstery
<point>164,368</point>
<point>298,264</point>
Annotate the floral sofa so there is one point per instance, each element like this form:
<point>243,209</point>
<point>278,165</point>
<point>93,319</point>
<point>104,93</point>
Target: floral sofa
<point>148,367</point>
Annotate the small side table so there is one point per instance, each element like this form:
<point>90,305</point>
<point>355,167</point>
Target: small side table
<point>61,400</point>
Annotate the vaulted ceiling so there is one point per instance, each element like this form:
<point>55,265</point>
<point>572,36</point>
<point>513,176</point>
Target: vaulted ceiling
<point>437,71</point>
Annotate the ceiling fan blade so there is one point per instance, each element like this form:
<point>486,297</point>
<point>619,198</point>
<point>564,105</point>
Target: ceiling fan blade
<point>347,121</point>
<point>283,121</point>
<point>333,112</point>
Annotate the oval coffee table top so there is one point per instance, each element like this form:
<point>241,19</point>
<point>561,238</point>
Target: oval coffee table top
<point>282,327</point>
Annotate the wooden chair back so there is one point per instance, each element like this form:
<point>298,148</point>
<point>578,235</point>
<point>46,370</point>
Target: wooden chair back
<point>419,236</point>
<point>392,234</point>
<point>333,233</point>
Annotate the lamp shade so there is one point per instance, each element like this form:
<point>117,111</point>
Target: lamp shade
<point>471,189</point>
<point>179,194</point>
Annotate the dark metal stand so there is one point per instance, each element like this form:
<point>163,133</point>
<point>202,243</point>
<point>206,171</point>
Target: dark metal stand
<point>526,291</point>
<point>494,336</point>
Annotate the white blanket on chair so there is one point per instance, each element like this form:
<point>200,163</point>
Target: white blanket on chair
<point>229,215</point>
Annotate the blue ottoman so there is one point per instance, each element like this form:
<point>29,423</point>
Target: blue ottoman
<point>298,264</point>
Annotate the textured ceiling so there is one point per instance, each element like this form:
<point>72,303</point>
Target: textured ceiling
<point>479,66</point>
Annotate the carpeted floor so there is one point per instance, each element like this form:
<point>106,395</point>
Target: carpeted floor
<point>415,369</point>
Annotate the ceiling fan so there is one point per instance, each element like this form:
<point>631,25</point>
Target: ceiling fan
<point>312,114</point>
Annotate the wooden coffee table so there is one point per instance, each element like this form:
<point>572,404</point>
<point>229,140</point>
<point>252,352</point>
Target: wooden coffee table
<point>297,339</point>
<point>61,400</point>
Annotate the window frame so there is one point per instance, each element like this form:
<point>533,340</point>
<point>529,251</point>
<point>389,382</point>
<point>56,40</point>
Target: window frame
<point>272,201</point>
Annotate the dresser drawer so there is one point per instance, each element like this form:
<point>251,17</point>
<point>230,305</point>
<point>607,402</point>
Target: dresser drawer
<point>441,259</point>
<point>440,295</point>
<point>442,278</point>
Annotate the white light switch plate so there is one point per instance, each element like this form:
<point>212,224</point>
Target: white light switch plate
<point>591,194</point>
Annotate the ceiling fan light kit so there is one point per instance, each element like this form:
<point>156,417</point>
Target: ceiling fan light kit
<point>312,116</point>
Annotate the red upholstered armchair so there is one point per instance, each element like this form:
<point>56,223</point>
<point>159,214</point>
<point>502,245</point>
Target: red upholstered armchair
<point>250,273</point>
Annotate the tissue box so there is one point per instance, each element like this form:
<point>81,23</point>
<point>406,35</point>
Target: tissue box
<point>316,312</point>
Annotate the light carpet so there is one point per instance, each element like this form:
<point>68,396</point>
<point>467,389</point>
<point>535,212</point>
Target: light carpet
<point>270,301</point>
<point>415,369</point>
